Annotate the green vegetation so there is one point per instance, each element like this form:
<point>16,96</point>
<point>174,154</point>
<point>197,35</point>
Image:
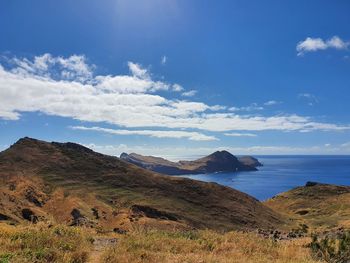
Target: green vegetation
<point>332,249</point>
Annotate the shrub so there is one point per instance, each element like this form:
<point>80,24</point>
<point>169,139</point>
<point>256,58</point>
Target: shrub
<point>332,249</point>
<point>5,258</point>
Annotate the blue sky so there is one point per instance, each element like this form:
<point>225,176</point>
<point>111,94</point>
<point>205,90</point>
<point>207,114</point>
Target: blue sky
<point>177,78</point>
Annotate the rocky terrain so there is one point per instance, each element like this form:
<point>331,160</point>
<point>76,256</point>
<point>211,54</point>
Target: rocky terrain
<point>220,161</point>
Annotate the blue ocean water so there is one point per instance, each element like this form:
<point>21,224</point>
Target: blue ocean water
<point>282,173</point>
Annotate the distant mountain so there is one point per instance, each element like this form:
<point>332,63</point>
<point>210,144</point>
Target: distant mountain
<point>220,161</point>
<point>70,184</point>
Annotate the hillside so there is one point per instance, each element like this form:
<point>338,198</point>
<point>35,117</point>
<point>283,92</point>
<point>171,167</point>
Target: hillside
<point>250,161</point>
<point>320,206</point>
<point>219,161</point>
<point>70,184</point>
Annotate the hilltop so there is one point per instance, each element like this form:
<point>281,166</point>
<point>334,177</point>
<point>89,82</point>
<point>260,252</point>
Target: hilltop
<point>71,184</point>
<point>219,161</point>
<point>320,206</point>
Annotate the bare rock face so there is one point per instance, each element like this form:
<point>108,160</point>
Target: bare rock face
<point>32,196</point>
<point>220,161</point>
<point>29,215</point>
<point>79,219</point>
<point>152,212</point>
<point>4,217</point>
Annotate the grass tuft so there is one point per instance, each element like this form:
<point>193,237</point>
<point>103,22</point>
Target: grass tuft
<point>41,243</point>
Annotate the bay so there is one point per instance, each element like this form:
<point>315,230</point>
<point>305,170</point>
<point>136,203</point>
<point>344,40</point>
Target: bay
<point>282,173</point>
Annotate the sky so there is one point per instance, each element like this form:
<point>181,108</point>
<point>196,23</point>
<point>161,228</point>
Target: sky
<point>177,78</point>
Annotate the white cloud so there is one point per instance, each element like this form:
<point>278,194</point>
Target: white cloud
<point>306,95</point>
<point>73,68</point>
<point>240,134</point>
<point>311,44</point>
<point>315,44</point>
<point>163,60</point>
<point>189,93</point>
<point>272,102</point>
<point>138,71</point>
<point>194,136</point>
<point>337,43</point>
<point>178,88</point>
<point>128,101</point>
<point>345,145</point>
<point>128,84</point>
<point>251,107</point>
<point>217,107</point>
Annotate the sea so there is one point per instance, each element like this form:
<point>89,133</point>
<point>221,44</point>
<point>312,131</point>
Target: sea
<point>282,173</point>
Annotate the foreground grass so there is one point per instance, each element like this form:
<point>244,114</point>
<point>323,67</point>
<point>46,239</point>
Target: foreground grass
<point>40,243</point>
<point>205,246</point>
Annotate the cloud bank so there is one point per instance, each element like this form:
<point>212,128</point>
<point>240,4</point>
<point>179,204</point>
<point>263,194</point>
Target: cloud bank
<point>68,87</point>
<point>235,134</point>
<point>195,136</point>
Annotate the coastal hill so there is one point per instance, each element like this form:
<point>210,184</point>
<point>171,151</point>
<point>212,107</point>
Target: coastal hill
<point>219,161</point>
<point>320,206</point>
<point>130,214</point>
<point>70,184</point>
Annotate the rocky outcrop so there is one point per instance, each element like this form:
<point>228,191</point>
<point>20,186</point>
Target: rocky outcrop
<point>29,215</point>
<point>220,161</point>
<point>78,219</point>
<point>152,212</point>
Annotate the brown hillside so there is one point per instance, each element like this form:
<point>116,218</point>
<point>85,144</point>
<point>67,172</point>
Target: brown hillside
<point>68,183</point>
<point>321,206</point>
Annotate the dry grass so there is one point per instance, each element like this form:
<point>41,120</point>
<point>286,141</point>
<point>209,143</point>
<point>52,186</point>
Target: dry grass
<point>321,207</point>
<point>39,243</point>
<point>205,246</point>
